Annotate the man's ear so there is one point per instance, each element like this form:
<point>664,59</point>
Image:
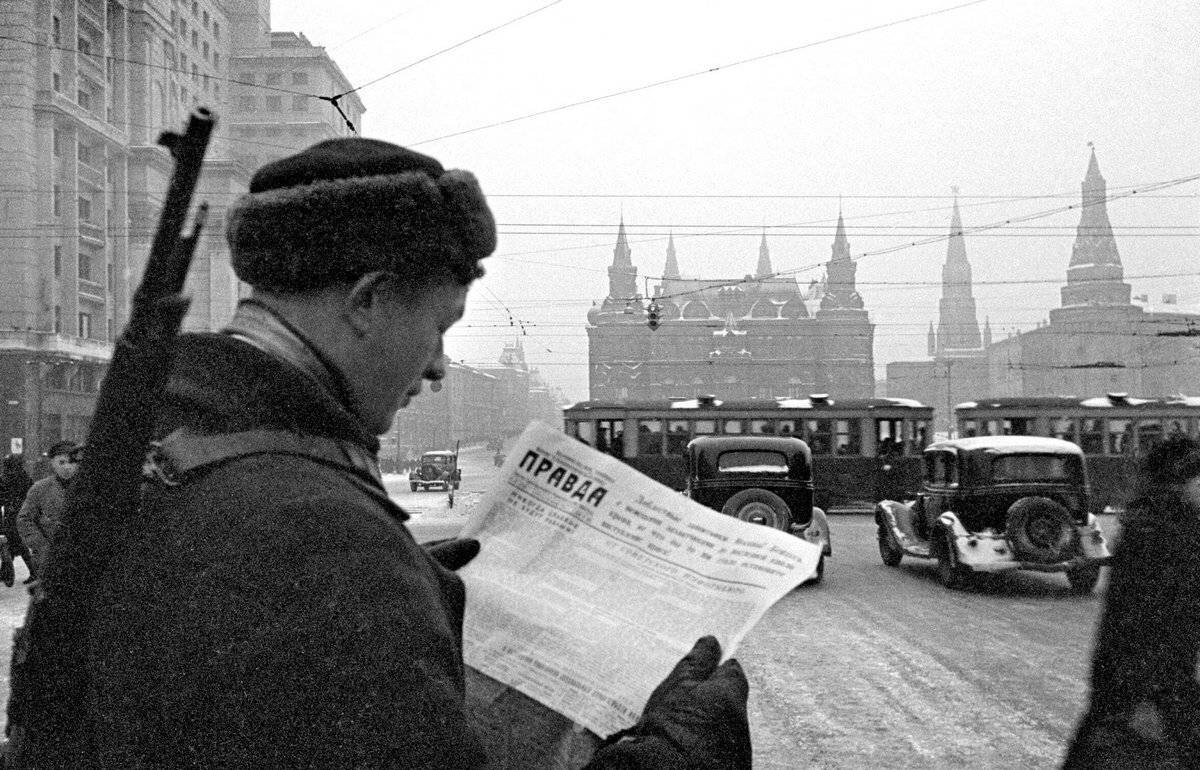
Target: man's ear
<point>362,303</point>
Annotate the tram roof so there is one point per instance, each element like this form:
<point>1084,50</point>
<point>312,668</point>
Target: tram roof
<point>702,403</point>
<point>1109,401</point>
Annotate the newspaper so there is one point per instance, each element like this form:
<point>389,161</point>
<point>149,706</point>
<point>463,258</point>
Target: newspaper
<point>594,580</point>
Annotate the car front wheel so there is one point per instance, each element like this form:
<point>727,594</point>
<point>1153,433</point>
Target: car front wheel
<point>951,572</point>
<point>889,549</point>
<point>759,506</point>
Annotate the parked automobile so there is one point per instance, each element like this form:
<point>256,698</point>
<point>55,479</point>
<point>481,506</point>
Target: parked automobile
<point>994,504</point>
<point>436,469</point>
<point>760,479</point>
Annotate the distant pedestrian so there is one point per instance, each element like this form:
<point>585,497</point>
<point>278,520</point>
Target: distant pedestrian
<point>14,486</point>
<point>1144,708</point>
<point>42,511</point>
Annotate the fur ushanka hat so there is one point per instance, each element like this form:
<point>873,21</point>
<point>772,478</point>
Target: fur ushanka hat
<point>346,207</point>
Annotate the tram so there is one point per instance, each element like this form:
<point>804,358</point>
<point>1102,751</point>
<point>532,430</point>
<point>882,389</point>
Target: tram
<point>1113,430</point>
<point>863,450</point>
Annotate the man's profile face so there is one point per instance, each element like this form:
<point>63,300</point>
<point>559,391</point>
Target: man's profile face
<point>63,466</point>
<point>406,347</point>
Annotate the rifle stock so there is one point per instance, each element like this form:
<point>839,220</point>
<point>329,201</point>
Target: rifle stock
<point>47,723</point>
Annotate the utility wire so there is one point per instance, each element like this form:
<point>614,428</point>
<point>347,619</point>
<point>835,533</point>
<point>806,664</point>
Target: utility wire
<point>459,44</point>
<point>698,73</point>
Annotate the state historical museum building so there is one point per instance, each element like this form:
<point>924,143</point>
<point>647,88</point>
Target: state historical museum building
<point>735,338</point>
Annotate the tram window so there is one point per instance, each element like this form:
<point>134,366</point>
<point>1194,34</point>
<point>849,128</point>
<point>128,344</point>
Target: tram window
<point>1091,435</point>
<point>1063,428</point>
<point>732,427</point>
<point>678,435</point>
<point>1018,426</point>
<point>1180,428</point>
<point>762,427</point>
<point>788,428</point>
<point>993,427</point>
<point>705,427</point>
<point>610,437</point>
<point>848,439</point>
<point>650,437</point>
<point>1119,434</point>
<point>889,437</point>
<point>820,436</point>
<point>1149,433</point>
<point>918,437</point>
<point>585,431</point>
<point>968,428</point>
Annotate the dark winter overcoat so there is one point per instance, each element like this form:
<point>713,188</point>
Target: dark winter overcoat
<point>273,611</point>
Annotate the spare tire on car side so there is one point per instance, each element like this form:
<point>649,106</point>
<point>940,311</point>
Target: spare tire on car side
<point>1040,529</point>
<point>759,506</point>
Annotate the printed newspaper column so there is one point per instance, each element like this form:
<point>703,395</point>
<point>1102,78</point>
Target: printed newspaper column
<point>594,580</point>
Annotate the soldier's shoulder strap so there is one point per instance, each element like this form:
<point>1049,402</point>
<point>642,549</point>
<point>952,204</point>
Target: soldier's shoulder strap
<point>184,452</point>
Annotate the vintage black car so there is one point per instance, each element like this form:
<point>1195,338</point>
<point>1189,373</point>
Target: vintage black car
<point>998,503</point>
<point>436,469</point>
<point>760,479</point>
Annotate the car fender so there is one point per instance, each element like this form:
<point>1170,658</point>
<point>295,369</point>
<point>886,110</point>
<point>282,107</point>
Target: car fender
<point>1092,543</point>
<point>986,549</point>
<point>898,518</point>
<point>817,531</point>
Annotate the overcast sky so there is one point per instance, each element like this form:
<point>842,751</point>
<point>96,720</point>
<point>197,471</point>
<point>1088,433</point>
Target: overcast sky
<point>999,98</point>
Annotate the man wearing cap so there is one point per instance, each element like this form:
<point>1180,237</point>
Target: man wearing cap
<point>270,609</point>
<point>42,510</point>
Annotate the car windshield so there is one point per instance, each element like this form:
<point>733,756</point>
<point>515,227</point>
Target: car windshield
<point>435,459</point>
<point>1035,467</point>
<point>752,462</point>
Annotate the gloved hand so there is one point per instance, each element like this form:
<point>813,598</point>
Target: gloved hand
<point>453,553</point>
<point>696,718</point>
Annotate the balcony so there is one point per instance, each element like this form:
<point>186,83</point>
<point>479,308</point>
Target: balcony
<point>91,176</point>
<point>91,232</point>
<point>91,291</point>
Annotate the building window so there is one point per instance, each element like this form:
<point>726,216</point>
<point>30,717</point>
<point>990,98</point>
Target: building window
<point>57,319</point>
<point>195,8</point>
<point>85,326</point>
<point>216,31</point>
<point>300,78</point>
<point>216,89</point>
<point>274,102</point>
<point>57,200</point>
<point>112,277</point>
<point>85,209</point>
<point>58,261</point>
<point>246,103</point>
<point>85,154</point>
<point>85,46</point>
<point>204,16</point>
<point>83,99</point>
<point>57,31</point>
<point>216,58</point>
<point>57,141</point>
<point>195,73</point>
<point>299,103</point>
<point>274,78</point>
<point>195,39</point>
<point>85,267</point>
<point>57,81</point>
<point>204,48</point>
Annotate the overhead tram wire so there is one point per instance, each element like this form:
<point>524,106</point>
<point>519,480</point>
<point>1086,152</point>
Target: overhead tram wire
<point>698,73</point>
<point>435,54</point>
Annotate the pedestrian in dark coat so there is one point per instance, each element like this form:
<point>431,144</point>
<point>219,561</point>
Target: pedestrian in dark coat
<point>14,485</point>
<point>271,609</point>
<point>41,513</point>
<point>1144,707</point>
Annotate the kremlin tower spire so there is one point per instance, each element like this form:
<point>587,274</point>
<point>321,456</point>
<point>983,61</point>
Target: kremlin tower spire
<point>764,258</point>
<point>1094,275</point>
<point>671,268</point>
<point>622,275</point>
<point>958,325</point>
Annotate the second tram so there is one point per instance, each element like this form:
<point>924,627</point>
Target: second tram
<point>1112,430</point>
